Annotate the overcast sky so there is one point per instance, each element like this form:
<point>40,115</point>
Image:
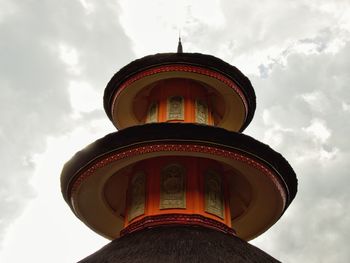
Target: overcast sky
<point>56,58</point>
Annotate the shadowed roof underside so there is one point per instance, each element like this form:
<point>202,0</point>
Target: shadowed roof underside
<point>179,244</point>
<point>162,132</point>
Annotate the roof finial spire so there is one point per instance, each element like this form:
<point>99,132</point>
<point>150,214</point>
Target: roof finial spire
<point>179,45</point>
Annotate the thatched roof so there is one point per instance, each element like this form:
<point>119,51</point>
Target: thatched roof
<point>179,244</point>
<point>193,59</point>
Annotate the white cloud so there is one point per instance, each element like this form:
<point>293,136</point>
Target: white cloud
<point>7,8</point>
<point>41,43</point>
<point>154,26</point>
<point>88,5</point>
<point>47,221</point>
<point>69,56</point>
<point>300,113</point>
<point>83,97</point>
<point>317,101</point>
<point>318,130</point>
<point>345,106</point>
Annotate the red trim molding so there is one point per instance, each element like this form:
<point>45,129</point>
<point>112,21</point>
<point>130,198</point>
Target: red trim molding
<point>176,219</point>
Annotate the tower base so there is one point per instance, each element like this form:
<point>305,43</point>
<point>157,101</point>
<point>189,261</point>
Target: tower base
<point>178,244</point>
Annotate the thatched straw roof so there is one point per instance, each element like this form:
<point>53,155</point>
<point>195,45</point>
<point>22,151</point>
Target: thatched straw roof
<point>179,244</point>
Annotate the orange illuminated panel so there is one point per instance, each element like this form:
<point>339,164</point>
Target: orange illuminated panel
<point>178,185</point>
<point>179,100</point>
<point>152,115</point>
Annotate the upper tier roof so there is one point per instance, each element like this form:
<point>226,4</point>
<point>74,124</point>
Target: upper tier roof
<point>196,61</point>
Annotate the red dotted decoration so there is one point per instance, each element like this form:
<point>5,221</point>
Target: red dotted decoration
<point>90,170</point>
<point>177,219</point>
<point>182,68</point>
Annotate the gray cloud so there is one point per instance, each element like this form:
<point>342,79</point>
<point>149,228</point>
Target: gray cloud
<point>301,50</point>
<point>257,31</point>
<point>34,81</point>
<point>300,112</point>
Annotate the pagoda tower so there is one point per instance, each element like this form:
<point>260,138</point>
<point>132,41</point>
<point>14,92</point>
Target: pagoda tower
<point>179,182</point>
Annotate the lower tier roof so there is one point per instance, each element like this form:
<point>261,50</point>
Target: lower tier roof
<point>271,179</point>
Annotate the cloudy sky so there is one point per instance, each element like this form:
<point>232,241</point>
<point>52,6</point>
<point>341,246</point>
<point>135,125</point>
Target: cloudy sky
<point>57,56</point>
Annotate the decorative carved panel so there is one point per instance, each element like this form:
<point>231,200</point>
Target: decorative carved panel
<point>176,108</point>
<point>137,196</point>
<point>214,201</point>
<point>152,113</point>
<point>172,187</point>
<point>201,112</point>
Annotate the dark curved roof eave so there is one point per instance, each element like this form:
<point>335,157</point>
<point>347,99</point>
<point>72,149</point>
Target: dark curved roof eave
<point>162,132</point>
<point>194,59</point>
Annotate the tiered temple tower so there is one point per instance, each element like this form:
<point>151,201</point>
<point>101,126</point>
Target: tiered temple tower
<point>179,182</point>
